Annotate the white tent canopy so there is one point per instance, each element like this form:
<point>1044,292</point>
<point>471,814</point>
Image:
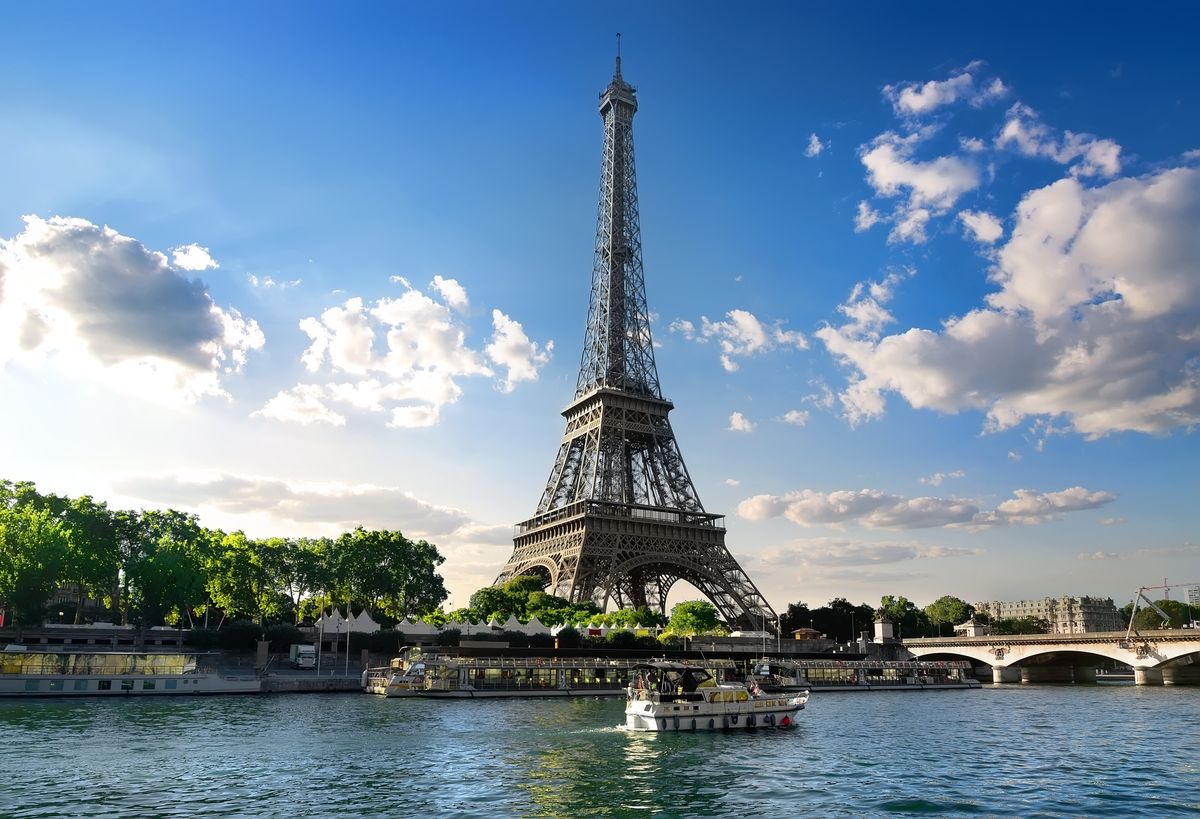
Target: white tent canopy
<point>417,628</point>
<point>335,623</point>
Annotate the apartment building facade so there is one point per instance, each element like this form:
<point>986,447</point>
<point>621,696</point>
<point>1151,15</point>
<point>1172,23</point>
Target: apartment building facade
<point>1066,615</point>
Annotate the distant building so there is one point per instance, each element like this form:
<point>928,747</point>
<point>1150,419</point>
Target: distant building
<point>806,634</point>
<point>1066,615</point>
<point>1194,595</point>
<point>972,628</point>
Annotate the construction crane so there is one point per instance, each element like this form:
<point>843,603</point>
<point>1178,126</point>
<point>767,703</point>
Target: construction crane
<point>1141,597</point>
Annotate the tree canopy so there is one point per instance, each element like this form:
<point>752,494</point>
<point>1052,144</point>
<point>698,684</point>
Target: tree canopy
<point>151,567</point>
<point>693,617</point>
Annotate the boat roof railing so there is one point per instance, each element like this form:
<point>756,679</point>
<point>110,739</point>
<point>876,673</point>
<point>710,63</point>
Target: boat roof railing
<point>833,663</point>
<point>560,662</point>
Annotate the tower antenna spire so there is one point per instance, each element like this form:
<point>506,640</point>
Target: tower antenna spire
<point>618,54</point>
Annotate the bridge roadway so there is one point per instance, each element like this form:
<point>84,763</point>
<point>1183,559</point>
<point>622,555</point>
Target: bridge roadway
<point>1157,657</point>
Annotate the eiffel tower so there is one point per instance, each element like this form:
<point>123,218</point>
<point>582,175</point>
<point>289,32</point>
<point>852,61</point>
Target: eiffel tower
<point>619,520</point>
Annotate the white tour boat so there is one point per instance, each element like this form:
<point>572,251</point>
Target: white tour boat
<point>25,673</point>
<point>667,696</point>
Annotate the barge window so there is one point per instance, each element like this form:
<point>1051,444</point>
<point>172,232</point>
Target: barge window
<point>147,685</point>
<point>33,685</point>
<point>81,685</point>
<point>56,685</point>
<point>126,685</point>
<point>169,685</point>
<point>104,685</point>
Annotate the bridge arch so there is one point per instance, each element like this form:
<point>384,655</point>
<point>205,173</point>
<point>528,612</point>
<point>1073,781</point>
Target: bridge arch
<point>1171,657</point>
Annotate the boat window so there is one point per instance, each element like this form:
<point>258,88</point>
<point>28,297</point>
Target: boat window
<point>81,685</point>
<point>169,684</point>
<point>147,685</point>
<point>33,685</point>
<point>126,685</point>
<point>56,685</point>
<point>104,685</point>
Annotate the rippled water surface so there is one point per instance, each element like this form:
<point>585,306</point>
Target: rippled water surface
<point>999,751</point>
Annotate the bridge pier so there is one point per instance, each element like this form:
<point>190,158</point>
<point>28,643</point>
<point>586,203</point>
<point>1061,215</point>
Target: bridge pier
<point>1005,674</point>
<point>1047,674</point>
<point>1181,675</point>
<point>1084,673</point>
<point>1148,676</point>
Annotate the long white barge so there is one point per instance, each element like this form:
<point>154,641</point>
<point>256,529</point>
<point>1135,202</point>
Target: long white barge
<point>782,675</point>
<point>444,674</point>
<point>26,673</point>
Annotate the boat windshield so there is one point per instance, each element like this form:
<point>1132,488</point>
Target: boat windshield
<point>675,677</point>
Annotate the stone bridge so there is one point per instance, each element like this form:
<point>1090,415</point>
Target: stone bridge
<point>1157,657</point>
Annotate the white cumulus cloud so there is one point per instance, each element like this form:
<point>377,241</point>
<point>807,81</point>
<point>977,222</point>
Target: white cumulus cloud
<point>926,187</point>
<point>1095,319</point>
<point>874,509</point>
<point>511,349</point>
<point>866,218</point>
<point>741,336</point>
<point>828,551</point>
<point>740,423</point>
<point>402,356</point>
<point>917,99</point>
<point>102,306</point>
<point>795,417</point>
<point>453,293</point>
<point>815,146</point>
<point>938,478</point>
<point>193,257</point>
<point>982,226</point>
<point>1087,155</point>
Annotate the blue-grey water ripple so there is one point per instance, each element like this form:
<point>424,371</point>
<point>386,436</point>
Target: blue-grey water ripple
<point>1050,751</point>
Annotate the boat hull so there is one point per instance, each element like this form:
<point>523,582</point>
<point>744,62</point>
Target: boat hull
<point>765,712</point>
<point>712,719</point>
<point>71,685</point>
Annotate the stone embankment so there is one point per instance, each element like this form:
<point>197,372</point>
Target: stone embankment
<point>296,684</point>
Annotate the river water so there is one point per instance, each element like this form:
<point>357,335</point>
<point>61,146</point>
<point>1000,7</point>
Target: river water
<point>1103,750</point>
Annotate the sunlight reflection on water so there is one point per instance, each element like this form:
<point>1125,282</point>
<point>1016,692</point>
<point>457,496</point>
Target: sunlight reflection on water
<point>1010,750</point>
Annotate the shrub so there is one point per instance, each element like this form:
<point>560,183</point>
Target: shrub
<point>240,635</point>
<point>203,639</point>
<point>449,637</point>
<point>569,638</point>
<point>515,639</point>
<point>282,635</point>
<point>541,641</point>
<point>622,639</point>
<point>384,641</point>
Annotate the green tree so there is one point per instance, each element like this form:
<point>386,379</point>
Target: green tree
<point>388,573</point>
<point>1148,619</point>
<point>92,551</point>
<point>910,621</point>
<point>33,552</point>
<point>167,569</point>
<point>237,579</point>
<point>796,616</point>
<point>841,620</point>
<point>693,617</point>
<point>1020,625</point>
<point>949,611</point>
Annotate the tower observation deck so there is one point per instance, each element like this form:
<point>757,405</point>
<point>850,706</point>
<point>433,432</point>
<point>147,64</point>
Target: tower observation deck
<point>619,520</point>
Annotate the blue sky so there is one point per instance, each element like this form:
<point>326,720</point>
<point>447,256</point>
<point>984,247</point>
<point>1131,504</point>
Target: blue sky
<point>925,284</point>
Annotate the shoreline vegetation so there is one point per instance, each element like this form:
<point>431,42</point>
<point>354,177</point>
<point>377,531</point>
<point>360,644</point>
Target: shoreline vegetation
<point>162,567</point>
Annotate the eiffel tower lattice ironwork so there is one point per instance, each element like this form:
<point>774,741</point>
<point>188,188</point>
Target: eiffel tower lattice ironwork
<point>619,520</point>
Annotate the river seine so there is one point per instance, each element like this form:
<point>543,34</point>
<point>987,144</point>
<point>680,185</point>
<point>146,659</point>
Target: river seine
<point>1001,751</point>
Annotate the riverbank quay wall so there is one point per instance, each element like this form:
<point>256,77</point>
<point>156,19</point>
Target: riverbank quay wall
<point>1166,657</point>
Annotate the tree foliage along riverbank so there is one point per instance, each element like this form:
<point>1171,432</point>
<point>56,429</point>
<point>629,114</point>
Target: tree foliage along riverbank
<point>151,567</point>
